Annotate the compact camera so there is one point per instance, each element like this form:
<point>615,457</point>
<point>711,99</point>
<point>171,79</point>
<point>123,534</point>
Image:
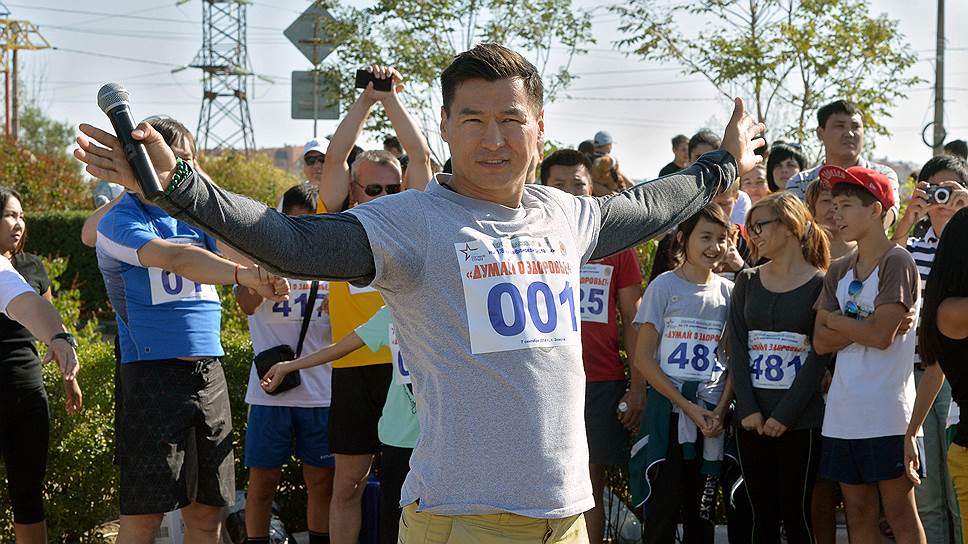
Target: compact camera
<point>937,194</point>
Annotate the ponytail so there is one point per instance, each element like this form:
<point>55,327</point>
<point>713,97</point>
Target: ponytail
<point>815,246</point>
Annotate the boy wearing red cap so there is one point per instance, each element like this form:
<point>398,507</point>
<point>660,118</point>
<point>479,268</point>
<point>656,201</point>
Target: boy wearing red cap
<point>865,299</point>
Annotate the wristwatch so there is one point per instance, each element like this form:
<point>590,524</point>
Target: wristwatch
<point>67,337</point>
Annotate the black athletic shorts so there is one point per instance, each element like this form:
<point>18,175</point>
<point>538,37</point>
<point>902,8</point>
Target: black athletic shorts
<point>608,440</point>
<point>359,394</point>
<point>24,435</point>
<point>176,436</point>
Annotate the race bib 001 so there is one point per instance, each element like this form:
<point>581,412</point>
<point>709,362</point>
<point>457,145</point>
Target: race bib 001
<point>776,357</point>
<point>294,309</point>
<point>520,293</point>
<point>596,280</point>
<point>401,374</point>
<point>688,347</point>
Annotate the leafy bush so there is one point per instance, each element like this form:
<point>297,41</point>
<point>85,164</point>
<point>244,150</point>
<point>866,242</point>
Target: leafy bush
<point>252,175</point>
<point>58,234</point>
<point>47,181</point>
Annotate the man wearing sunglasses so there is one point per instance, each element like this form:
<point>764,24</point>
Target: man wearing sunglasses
<point>314,157</point>
<point>483,269</point>
<point>373,174</point>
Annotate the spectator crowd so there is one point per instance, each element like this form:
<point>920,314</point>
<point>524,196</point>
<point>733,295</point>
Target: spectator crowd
<point>478,333</point>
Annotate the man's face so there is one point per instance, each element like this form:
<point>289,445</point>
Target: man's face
<point>940,214</point>
<point>698,151</point>
<point>681,152</point>
<point>603,149</point>
<point>313,166</point>
<point>493,130</point>
<point>854,220</point>
<point>373,178</point>
<point>571,179</point>
<point>843,135</point>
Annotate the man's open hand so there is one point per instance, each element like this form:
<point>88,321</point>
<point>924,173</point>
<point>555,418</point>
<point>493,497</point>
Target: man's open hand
<point>743,136</point>
<point>107,161</point>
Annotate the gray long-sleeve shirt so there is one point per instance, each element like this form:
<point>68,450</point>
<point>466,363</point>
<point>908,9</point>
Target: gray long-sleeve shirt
<point>335,246</point>
<point>755,308</point>
<point>486,313</point>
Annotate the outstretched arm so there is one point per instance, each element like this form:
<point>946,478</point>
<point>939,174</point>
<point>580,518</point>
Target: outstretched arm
<point>335,185</point>
<point>340,247</point>
<point>651,208</point>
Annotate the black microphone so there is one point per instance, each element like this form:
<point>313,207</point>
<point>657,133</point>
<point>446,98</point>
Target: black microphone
<point>113,101</point>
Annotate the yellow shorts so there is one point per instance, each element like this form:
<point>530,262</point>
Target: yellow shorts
<point>426,528</point>
<point>958,467</point>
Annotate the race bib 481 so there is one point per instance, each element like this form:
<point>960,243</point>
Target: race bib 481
<point>688,347</point>
<point>520,293</point>
<point>776,357</point>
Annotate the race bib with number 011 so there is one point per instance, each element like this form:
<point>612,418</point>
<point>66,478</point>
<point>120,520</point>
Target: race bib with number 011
<point>776,357</point>
<point>596,280</point>
<point>520,293</point>
<point>401,374</point>
<point>688,347</point>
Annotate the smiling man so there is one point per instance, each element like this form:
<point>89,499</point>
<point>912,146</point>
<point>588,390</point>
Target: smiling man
<point>490,266</point>
<point>840,127</point>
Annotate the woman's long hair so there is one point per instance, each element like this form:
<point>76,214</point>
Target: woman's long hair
<point>948,278</point>
<point>5,194</point>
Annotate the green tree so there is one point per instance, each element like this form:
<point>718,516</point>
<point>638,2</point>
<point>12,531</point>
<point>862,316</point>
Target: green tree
<point>787,57</point>
<point>254,176</point>
<point>421,37</point>
<point>42,134</point>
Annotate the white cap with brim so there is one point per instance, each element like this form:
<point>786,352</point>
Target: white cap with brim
<point>315,145</point>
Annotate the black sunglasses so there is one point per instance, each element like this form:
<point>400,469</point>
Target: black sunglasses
<point>375,189</point>
<point>313,159</point>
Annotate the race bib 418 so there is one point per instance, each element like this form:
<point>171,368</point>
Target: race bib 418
<point>520,293</point>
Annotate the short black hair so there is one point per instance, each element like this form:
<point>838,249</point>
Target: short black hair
<point>491,62</point>
<point>837,106</point>
<point>945,162</point>
<point>959,148</point>
<point>704,137</point>
<point>780,152</point>
<point>678,140</point>
<point>173,131</point>
<point>564,157</point>
<point>305,195</point>
<point>392,141</point>
<point>587,147</point>
<point>866,197</point>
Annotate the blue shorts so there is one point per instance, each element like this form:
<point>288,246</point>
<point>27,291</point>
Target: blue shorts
<point>271,430</point>
<point>866,460</point>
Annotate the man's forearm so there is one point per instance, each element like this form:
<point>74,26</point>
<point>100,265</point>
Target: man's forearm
<point>413,142</point>
<point>651,208</point>
<point>329,246</point>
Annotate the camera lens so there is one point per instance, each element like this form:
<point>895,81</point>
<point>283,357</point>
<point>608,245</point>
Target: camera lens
<point>942,194</point>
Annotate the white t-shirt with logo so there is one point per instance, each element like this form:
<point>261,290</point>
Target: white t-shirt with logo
<point>276,323</point>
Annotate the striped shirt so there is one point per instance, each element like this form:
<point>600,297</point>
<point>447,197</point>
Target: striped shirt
<point>922,249</point>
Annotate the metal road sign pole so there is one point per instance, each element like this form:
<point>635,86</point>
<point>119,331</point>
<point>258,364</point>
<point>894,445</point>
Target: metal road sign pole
<point>308,34</point>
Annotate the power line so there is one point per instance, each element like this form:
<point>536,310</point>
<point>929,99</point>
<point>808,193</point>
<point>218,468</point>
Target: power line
<point>117,57</point>
<point>126,16</point>
<point>638,99</point>
<point>637,85</point>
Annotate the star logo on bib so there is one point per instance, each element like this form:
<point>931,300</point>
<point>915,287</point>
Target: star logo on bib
<point>467,251</point>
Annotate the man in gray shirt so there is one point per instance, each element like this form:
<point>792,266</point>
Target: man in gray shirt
<point>483,272</point>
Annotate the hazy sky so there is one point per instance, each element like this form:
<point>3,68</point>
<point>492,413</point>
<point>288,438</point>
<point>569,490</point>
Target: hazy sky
<point>65,81</point>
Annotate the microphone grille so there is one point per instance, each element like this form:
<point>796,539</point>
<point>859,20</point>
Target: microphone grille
<point>112,95</point>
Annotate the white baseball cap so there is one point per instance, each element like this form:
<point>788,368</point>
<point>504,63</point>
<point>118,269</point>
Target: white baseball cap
<point>316,145</point>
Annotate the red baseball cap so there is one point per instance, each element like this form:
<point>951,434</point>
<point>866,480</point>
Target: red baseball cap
<point>874,182</point>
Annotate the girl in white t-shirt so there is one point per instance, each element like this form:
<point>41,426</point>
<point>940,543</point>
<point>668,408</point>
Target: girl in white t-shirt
<point>681,322</point>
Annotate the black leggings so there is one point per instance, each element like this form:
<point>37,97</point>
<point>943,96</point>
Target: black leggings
<point>394,467</point>
<point>779,474</point>
<point>24,435</point>
<point>676,492</point>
